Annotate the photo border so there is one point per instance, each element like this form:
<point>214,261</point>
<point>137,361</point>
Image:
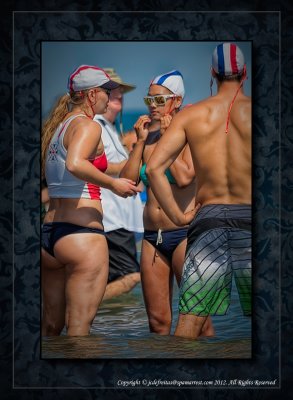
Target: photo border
<point>19,183</point>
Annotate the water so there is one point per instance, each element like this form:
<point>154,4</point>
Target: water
<point>129,117</point>
<point>120,331</point>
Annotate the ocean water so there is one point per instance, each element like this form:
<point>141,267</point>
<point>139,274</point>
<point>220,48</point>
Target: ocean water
<point>129,117</point>
<point>120,331</point>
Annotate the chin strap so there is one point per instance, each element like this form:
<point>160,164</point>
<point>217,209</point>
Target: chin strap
<point>89,116</point>
<point>92,108</point>
<point>244,76</point>
<point>211,85</point>
<point>171,105</point>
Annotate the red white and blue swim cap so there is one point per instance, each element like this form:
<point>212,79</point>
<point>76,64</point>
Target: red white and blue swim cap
<point>228,60</point>
<point>172,80</point>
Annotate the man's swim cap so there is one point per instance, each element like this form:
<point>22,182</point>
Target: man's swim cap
<point>228,60</point>
<point>172,80</point>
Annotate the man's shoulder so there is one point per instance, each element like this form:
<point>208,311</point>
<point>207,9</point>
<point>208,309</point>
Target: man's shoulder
<point>196,109</point>
<point>247,100</point>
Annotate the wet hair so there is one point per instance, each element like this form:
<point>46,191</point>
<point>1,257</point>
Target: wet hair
<point>235,77</point>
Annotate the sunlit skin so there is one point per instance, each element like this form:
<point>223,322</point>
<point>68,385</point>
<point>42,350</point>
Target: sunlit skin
<point>182,170</point>
<point>222,162</point>
<point>74,281</point>
<point>156,270</point>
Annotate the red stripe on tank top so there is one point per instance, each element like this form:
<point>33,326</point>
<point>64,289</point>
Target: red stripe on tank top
<point>94,191</point>
<point>100,163</point>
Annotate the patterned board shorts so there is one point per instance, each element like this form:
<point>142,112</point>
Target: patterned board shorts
<point>218,248</point>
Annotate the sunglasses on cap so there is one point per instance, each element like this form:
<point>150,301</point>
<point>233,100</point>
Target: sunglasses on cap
<point>158,100</point>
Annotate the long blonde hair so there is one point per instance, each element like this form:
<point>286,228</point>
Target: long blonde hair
<point>63,106</point>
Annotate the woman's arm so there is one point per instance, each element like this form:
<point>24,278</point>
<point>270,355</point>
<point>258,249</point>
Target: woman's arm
<point>132,167</point>
<point>115,168</point>
<point>167,150</point>
<point>182,168</point>
<point>81,147</point>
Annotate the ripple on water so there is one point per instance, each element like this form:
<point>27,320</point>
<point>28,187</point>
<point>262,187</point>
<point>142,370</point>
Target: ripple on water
<point>120,330</point>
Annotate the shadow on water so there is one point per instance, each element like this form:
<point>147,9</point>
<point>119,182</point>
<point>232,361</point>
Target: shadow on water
<point>120,331</point>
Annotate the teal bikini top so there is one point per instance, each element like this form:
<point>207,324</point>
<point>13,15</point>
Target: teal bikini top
<point>144,178</point>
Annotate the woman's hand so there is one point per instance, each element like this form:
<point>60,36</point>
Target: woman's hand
<point>165,122</point>
<point>141,127</point>
<point>189,215</point>
<point>124,187</point>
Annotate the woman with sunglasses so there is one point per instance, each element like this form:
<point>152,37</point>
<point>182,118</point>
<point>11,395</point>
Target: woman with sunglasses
<point>164,243</point>
<point>74,249</point>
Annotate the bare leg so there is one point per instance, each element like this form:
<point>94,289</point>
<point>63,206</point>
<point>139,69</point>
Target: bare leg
<point>86,259</point>
<point>189,326</point>
<point>157,280</point>
<point>208,329</point>
<point>121,285</point>
<point>177,265</point>
<point>53,295</point>
<point>178,260</point>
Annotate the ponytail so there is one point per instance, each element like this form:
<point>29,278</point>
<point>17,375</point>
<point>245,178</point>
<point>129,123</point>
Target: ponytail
<point>50,125</point>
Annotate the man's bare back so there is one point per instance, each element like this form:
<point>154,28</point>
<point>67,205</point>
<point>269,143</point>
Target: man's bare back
<point>222,161</point>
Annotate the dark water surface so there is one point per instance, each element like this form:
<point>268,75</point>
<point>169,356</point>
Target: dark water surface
<point>120,330</point>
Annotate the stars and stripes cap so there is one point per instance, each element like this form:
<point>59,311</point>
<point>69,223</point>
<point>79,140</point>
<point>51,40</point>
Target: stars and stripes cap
<point>228,60</point>
<point>89,76</point>
<point>172,80</point>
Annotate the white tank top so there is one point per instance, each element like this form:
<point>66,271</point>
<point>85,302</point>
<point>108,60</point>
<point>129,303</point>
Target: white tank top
<point>62,183</point>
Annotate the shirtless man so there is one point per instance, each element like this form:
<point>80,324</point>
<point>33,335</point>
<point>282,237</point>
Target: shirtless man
<point>218,131</point>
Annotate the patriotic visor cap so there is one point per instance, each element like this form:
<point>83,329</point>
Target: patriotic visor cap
<point>228,60</point>
<point>88,76</point>
<point>172,80</point>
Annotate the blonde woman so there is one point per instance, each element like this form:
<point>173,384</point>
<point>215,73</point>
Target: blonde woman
<point>74,249</point>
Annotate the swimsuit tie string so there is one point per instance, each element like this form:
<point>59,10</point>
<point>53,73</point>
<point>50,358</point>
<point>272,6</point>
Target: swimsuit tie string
<point>159,240</point>
<point>159,237</point>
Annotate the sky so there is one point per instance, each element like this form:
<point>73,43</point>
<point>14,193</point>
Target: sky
<point>137,63</point>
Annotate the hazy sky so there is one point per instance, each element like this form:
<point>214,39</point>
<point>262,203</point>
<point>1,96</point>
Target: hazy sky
<point>137,62</point>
